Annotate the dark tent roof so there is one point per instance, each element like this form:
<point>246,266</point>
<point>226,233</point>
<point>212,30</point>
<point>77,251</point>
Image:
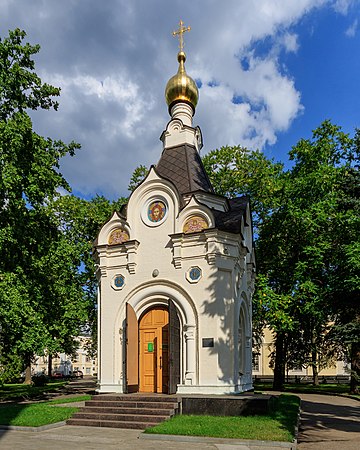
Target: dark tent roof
<point>183,166</point>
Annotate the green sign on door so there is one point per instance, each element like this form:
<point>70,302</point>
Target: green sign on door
<point>150,347</point>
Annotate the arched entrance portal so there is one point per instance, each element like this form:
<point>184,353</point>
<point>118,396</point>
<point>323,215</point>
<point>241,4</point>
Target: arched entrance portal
<point>153,349</point>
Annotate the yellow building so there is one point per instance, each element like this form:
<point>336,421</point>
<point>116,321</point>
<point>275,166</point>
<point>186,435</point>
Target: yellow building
<point>261,363</point>
<point>66,364</point>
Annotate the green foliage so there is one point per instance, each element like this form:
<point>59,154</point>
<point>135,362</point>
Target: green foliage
<point>298,246</point>
<point>307,244</point>
<point>20,87</point>
<point>40,296</point>
<point>270,308</point>
<point>40,380</point>
<point>80,221</point>
<point>235,171</point>
<point>138,175</point>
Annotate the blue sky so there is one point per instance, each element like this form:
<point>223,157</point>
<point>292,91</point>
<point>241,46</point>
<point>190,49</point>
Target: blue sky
<point>326,70</point>
<point>270,72</point>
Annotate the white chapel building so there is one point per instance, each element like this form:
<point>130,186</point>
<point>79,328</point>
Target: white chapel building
<point>176,271</point>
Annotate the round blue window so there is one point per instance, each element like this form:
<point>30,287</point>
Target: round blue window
<point>119,281</point>
<point>195,273</point>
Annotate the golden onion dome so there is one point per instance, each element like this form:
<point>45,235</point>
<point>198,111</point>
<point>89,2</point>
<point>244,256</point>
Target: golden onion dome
<point>181,87</point>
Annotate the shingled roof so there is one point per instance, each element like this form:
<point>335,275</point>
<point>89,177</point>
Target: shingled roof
<point>183,166</point>
<point>231,220</point>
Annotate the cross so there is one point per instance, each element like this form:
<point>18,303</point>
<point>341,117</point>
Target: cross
<point>182,29</point>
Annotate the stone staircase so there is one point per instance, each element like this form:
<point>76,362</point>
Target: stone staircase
<point>137,411</point>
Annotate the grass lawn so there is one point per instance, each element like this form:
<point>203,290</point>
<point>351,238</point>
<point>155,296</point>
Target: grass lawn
<point>26,391</point>
<point>37,414</point>
<point>34,415</point>
<point>279,425</point>
<point>60,401</point>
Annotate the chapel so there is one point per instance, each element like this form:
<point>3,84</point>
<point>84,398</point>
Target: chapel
<point>176,270</point>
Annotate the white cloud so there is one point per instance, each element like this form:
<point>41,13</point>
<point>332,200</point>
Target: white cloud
<point>113,60</point>
<point>342,6</point>
<point>351,31</point>
<point>290,42</point>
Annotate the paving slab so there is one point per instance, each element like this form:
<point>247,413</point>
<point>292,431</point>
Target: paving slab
<point>89,438</point>
<point>329,422</point>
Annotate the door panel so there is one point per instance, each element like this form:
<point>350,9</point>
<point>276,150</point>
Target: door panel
<point>174,348</point>
<point>165,359</point>
<point>148,362</point>
<point>132,352</point>
<point>153,351</point>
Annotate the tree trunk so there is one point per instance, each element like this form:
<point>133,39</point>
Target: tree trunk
<point>27,370</point>
<point>315,372</point>
<point>279,369</point>
<point>355,368</point>
<point>49,365</point>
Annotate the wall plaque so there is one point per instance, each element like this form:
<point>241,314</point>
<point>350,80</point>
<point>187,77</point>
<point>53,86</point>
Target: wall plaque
<point>208,342</point>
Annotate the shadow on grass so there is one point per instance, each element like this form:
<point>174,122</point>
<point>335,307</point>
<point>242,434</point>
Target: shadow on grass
<point>285,409</point>
<point>20,392</point>
<point>306,388</point>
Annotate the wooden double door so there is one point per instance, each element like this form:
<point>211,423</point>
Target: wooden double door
<point>154,351</point>
<point>153,364</point>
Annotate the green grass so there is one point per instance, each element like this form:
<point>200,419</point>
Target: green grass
<point>60,401</point>
<point>34,415</point>
<point>37,414</point>
<point>278,425</point>
<point>25,391</point>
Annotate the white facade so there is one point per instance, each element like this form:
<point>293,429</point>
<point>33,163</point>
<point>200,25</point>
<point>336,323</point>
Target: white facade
<point>186,246</point>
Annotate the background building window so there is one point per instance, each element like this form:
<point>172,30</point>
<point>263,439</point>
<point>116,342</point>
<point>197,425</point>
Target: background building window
<point>256,362</point>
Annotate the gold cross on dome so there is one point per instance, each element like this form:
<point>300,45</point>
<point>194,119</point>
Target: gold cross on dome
<point>180,32</point>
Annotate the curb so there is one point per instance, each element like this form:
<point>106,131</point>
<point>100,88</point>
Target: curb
<point>210,440</point>
<point>32,429</point>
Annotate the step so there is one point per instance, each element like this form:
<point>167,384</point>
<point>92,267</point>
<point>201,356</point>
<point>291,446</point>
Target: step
<point>139,411</point>
<point>131,404</point>
<point>119,417</point>
<point>125,411</point>
<point>110,424</point>
<point>136,398</point>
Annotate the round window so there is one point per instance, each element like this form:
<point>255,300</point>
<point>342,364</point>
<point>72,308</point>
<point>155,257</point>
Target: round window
<point>154,212</point>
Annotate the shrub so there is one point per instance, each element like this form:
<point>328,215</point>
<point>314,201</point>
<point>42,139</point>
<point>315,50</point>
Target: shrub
<point>40,380</point>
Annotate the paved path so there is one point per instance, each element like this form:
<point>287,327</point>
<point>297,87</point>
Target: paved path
<point>329,422</point>
<point>87,438</point>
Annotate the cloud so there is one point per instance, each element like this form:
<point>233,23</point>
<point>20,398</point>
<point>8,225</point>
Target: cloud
<point>290,42</point>
<point>112,60</point>
<point>351,31</point>
<point>342,6</point>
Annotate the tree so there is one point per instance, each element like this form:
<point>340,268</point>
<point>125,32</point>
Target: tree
<point>38,300</point>
<point>235,171</point>
<point>296,247</point>
<point>345,272</point>
<point>80,221</point>
<point>138,175</point>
